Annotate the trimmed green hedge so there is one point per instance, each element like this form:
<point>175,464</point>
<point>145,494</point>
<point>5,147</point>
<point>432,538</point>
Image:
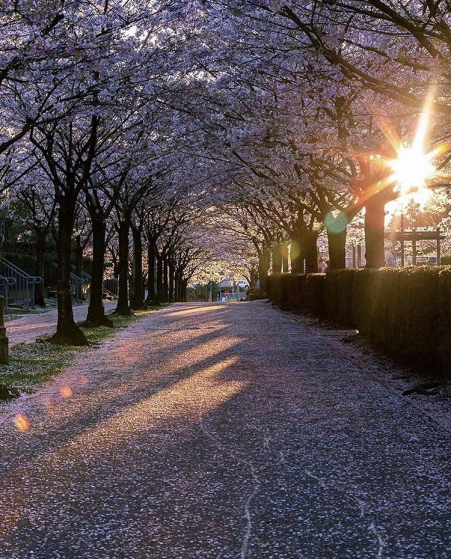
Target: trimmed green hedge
<point>406,311</point>
<point>298,291</point>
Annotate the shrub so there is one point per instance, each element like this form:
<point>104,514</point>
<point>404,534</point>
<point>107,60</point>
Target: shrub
<point>397,309</point>
<point>315,285</point>
<point>296,294</point>
<point>406,311</point>
<point>298,291</point>
<point>255,293</point>
<point>339,296</point>
<point>274,288</point>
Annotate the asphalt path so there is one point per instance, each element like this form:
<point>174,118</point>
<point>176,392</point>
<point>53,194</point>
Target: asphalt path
<point>221,431</point>
<point>31,326</point>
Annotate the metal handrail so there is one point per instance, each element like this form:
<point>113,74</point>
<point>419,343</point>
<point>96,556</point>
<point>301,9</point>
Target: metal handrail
<point>6,281</point>
<point>84,275</point>
<point>78,281</point>
<point>33,279</point>
<point>4,284</point>
<point>115,282</point>
<point>72,275</point>
<point>23,282</point>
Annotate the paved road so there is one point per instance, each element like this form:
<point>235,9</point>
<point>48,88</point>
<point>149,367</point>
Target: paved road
<point>222,431</point>
<point>32,326</point>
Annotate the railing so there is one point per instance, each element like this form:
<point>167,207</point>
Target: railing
<point>76,283</point>
<point>5,283</point>
<point>20,286</point>
<point>110,285</point>
<point>80,284</point>
<point>84,275</point>
<point>86,280</point>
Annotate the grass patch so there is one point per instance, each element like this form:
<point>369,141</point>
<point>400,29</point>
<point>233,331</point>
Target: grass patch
<point>32,364</point>
<point>14,312</point>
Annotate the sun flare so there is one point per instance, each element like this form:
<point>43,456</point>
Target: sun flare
<point>412,168</point>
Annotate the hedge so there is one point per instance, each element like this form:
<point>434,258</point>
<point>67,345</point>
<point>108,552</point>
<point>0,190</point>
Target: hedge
<point>406,311</point>
<point>297,291</point>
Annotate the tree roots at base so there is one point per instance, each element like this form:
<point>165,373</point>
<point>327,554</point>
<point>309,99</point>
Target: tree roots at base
<point>69,336</point>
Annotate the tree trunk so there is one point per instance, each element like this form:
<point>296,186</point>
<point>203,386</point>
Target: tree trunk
<point>138,298</point>
<point>263,266</point>
<point>311,253</point>
<point>176,287</point>
<point>41,237</point>
<point>178,291</point>
<point>184,285</point>
<point>151,273</point>
<point>180,297</point>
<point>123,307</point>
<point>337,249</point>
<point>78,256</point>
<point>159,295</point>
<point>299,244</point>
<point>284,253</point>
<point>276,259</point>
<point>78,260</point>
<point>297,255</point>
<point>96,311</point>
<point>165,279</point>
<point>374,233</point>
<point>67,332</point>
<point>171,282</point>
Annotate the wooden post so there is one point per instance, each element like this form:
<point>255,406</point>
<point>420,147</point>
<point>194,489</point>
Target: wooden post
<point>414,247</point>
<point>439,255</point>
<point>4,350</point>
<point>402,241</point>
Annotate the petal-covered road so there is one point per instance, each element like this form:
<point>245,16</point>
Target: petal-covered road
<point>31,326</point>
<point>221,431</point>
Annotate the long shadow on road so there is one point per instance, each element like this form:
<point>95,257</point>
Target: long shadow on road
<point>249,439</point>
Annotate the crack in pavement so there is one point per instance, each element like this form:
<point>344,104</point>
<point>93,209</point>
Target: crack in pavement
<point>373,528</point>
<point>230,443</point>
<point>256,480</point>
<point>362,504</point>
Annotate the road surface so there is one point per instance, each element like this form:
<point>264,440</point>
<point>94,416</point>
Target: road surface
<point>221,431</point>
<point>31,326</point>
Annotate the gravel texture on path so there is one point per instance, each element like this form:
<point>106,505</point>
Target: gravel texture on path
<point>222,431</point>
<point>31,326</point>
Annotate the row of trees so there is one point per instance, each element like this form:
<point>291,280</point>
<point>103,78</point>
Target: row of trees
<point>316,99</point>
<point>92,118</point>
<point>215,130</point>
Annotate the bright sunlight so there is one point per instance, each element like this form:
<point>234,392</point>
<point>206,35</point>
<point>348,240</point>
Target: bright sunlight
<point>413,166</point>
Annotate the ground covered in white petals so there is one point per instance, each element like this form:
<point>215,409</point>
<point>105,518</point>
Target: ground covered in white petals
<point>31,326</point>
<point>221,431</point>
